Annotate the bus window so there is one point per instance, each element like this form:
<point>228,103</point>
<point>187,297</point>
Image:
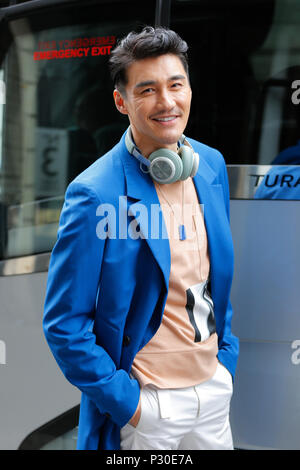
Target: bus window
<point>245,76</point>
<point>60,433</point>
<point>59,115</point>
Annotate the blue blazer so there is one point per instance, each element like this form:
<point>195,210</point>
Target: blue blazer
<point>105,296</point>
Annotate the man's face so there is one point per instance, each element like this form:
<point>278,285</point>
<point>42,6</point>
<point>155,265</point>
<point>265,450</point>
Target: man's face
<point>157,100</point>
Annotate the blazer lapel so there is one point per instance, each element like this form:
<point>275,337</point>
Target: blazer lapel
<point>144,206</point>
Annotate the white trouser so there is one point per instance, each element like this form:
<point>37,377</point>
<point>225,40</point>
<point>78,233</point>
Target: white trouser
<point>192,418</point>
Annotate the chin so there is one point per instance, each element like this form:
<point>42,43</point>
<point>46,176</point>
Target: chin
<point>170,138</point>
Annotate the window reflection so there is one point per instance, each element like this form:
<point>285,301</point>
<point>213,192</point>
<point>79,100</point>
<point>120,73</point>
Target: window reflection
<point>59,115</point>
<point>244,59</point>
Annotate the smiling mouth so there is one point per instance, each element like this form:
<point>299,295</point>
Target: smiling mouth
<point>165,119</point>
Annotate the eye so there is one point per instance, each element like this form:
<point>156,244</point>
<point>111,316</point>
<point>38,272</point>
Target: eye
<point>176,85</point>
<point>147,90</point>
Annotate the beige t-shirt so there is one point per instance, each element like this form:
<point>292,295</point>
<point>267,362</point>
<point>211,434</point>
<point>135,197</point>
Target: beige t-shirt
<point>183,351</point>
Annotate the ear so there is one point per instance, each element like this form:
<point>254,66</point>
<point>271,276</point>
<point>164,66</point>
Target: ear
<point>120,102</point>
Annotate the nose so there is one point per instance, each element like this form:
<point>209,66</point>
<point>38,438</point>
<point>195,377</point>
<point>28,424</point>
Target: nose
<point>166,100</point>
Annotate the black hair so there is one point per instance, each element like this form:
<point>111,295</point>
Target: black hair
<point>150,42</point>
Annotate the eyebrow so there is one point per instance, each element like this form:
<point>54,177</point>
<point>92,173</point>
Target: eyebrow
<point>153,82</point>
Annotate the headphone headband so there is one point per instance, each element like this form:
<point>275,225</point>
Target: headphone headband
<point>133,150</point>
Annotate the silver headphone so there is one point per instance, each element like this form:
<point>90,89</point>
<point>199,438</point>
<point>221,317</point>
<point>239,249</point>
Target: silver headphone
<point>164,165</point>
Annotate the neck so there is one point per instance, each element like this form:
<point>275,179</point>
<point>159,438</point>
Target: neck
<point>146,148</point>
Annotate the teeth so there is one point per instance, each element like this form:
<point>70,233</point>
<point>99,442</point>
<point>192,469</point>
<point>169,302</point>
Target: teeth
<point>166,119</point>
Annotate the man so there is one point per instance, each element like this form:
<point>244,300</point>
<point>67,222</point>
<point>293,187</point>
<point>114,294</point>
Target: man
<point>128,313</point>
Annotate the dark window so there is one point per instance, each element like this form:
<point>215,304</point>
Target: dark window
<point>57,113</point>
<point>244,59</point>
<point>59,434</point>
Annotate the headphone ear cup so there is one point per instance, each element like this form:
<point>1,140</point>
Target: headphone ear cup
<point>187,157</point>
<point>166,166</point>
<point>195,165</point>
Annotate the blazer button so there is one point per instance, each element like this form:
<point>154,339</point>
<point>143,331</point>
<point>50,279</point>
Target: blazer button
<point>108,415</point>
<point>126,340</point>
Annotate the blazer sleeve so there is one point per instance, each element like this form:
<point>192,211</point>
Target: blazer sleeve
<point>228,343</point>
<point>72,288</point>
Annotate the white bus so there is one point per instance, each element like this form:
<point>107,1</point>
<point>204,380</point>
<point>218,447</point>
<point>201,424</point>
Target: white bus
<point>57,116</point>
